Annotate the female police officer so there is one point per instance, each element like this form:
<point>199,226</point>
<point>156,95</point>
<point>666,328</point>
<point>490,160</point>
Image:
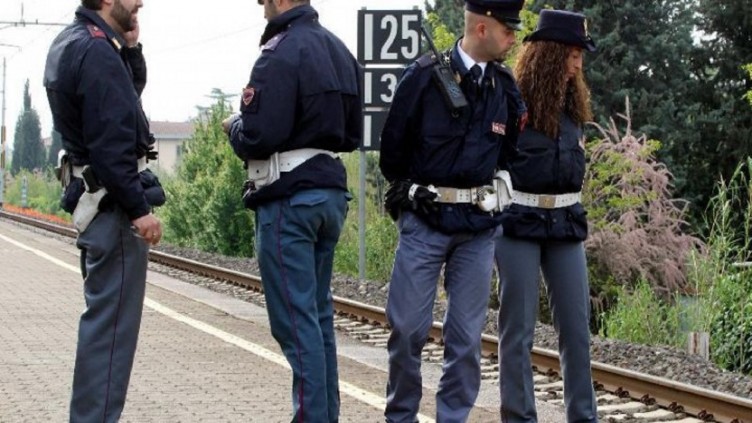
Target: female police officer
<point>545,225</point>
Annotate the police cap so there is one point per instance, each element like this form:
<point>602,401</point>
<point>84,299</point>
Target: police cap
<point>504,11</point>
<point>563,27</point>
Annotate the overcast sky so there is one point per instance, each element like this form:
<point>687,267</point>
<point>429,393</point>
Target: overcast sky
<point>191,47</point>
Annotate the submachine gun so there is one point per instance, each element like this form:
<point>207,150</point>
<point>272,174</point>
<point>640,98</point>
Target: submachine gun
<point>444,78</point>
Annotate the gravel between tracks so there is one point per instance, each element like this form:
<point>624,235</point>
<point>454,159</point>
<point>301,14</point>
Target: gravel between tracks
<point>663,362</point>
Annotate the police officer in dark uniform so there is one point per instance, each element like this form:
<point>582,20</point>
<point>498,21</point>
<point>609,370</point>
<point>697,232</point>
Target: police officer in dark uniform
<point>94,75</point>
<point>545,226</point>
<point>440,160</point>
<point>301,107</point>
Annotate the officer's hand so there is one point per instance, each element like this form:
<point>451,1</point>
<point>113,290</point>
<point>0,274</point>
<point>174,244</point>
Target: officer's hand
<point>404,194</point>
<point>397,198</point>
<point>423,200</point>
<point>227,123</point>
<point>131,37</point>
<point>148,228</point>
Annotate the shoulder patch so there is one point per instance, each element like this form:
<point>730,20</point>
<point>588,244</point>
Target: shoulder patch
<point>427,60</point>
<point>96,31</point>
<point>272,44</point>
<point>249,100</point>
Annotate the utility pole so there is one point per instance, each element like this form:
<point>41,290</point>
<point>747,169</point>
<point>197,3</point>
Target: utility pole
<point>3,132</point>
<point>2,141</point>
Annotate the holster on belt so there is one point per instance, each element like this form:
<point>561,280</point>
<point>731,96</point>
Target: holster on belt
<point>88,204</point>
<point>263,172</point>
<point>503,185</point>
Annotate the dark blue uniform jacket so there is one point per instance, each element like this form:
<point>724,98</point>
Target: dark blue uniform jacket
<point>304,92</point>
<point>423,140</point>
<point>96,108</point>
<point>542,165</point>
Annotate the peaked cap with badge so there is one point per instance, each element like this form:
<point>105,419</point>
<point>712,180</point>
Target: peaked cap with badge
<point>504,11</point>
<point>563,27</point>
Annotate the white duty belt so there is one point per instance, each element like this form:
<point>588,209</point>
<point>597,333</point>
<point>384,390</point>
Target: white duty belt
<point>458,195</point>
<point>484,197</point>
<point>142,166</point>
<point>546,201</point>
<point>289,160</point>
<point>264,172</point>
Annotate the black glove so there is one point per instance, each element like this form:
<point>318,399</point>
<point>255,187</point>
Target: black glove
<point>423,200</point>
<point>403,194</point>
<point>152,155</point>
<point>397,198</point>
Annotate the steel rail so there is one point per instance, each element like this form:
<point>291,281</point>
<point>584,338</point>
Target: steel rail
<point>703,403</point>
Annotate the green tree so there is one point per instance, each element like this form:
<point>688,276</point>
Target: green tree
<point>446,18</point>
<point>687,90</point>
<point>720,124</point>
<point>207,211</point>
<point>451,14</point>
<point>28,152</point>
<point>748,68</point>
<point>57,145</point>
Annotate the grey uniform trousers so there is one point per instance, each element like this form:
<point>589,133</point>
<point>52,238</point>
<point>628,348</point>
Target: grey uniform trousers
<point>421,254</point>
<point>565,274</point>
<point>113,263</point>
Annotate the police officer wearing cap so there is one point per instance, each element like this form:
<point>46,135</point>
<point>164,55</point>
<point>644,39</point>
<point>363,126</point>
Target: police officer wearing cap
<point>440,160</point>
<point>301,107</point>
<point>94,76</point>
<point>545,226</point>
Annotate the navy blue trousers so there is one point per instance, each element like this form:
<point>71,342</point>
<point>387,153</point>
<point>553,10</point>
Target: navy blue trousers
<point>467,259</point>
<point>296,238</point>
<point>565,274</point>
<point>113,263</point>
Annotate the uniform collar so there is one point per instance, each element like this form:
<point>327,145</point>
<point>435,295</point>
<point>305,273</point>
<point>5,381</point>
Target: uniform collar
<point>285,20</point>
<point>92,16</point>
<point>467,62</point>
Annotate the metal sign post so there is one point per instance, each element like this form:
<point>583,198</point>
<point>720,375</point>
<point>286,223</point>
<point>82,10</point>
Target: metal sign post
<point>387,41</point>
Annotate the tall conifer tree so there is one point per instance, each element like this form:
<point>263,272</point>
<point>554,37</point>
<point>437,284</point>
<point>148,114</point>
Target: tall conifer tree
<point>28,152</point>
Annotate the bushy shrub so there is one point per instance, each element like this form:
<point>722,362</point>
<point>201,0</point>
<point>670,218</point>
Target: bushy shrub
<point>43,192</point>
<point>642,317</point>
<point>204,208</point>
<point>638,231</point>
<point>722,278</point>
<point>380,234</point>
<point>731,327</point>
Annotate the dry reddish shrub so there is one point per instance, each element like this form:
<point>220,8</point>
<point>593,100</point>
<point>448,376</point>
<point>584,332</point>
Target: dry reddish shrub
<point>638,231</point>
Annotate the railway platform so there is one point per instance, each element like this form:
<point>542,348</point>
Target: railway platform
<point>202,356</point>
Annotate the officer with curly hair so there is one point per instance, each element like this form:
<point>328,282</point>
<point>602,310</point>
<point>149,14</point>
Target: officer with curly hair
<point>545,226</point>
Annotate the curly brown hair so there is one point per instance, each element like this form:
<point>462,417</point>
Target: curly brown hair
<point>540,70</point>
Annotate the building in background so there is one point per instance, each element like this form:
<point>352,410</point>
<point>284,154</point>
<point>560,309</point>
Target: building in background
<point>170,137</point>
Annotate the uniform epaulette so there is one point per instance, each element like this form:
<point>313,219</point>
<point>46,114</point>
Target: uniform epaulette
<point>96,31</point>
<point>427,60</point>
<point>501,67</point>
<point>272,44</point>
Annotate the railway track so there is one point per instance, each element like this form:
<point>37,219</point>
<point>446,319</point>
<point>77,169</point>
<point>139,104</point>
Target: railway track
<point>623,395</point>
